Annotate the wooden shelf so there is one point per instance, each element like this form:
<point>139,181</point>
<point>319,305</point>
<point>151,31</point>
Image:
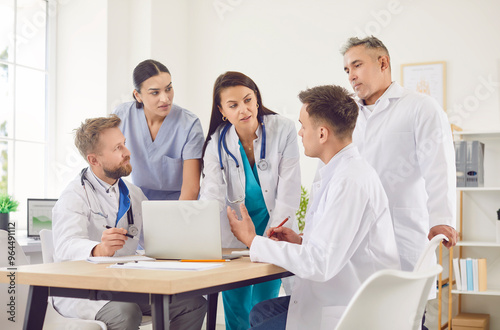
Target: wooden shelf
<point>478,188</point>
<point>478,244</point>
<point>492,292</point>
<point>485,134</point>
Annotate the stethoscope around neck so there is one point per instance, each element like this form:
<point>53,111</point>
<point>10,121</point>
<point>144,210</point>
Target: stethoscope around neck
<point>262,164</point>
<point>132,229</point>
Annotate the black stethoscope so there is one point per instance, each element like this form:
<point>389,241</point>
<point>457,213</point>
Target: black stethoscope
<point>132,229</point>
<point>262,164</point>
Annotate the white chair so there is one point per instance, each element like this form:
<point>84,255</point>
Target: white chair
<point>390,299</point>
<point>48,257</point>
<point>389,308</point>
<point>54,320</point>
<point>427,257</point>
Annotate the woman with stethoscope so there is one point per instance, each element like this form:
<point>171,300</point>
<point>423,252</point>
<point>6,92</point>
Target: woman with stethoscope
<point>251,156</point>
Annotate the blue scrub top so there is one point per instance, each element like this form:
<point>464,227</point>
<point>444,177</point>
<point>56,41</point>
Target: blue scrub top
<point>254,200</point>
<point>157,165</point>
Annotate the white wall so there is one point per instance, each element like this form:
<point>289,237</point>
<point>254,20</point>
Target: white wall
<point>285,46</point>
<point>80,81</point>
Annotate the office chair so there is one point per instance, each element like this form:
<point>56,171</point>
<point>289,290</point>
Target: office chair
<point>390,299</point>
<point>48,257</point>
<point>399,305</point>
<point>54,320</point>
<point>426,259</point>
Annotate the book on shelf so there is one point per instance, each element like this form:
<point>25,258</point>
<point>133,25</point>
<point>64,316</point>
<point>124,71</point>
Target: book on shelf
<point>458,276</point>
<point>470,285</point>
<point>470,274</point>
<point>482,274</point>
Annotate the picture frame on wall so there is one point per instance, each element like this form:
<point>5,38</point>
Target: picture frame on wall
<point>428,78</point>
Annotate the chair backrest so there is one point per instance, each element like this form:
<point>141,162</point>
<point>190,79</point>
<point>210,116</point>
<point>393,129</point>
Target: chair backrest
<point>426,259</point>
<point>10,248</point>
<point>47,246</point>
<point>390,299</point>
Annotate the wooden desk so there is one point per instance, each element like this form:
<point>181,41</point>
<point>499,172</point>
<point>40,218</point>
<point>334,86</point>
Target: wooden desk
<point>81,279</point>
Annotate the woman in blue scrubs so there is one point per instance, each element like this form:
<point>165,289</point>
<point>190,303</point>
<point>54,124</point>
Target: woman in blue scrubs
<point>251,156</point>
<point>165,140</point>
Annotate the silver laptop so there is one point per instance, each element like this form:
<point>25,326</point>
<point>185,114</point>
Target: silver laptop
<point>182,229</point>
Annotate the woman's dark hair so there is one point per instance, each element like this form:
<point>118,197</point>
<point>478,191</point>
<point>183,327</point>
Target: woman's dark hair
<point>143,71</point>
<point>225,80</point>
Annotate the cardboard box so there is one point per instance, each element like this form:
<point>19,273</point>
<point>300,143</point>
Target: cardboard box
<point>471,322</point>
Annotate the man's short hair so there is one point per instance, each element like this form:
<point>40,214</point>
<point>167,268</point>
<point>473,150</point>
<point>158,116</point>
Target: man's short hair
<point>331,105</point>
<point>370,42</point>
<point>87,135</point>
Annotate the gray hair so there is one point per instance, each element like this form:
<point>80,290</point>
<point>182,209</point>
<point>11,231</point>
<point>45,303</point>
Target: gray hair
<point>369,42</point>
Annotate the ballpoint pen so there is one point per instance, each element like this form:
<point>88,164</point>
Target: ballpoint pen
<point>281,224</point>
<point>201,260</point>
<point>127,234</point>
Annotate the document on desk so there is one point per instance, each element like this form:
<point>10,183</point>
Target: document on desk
<point>112,260</point>
<point>168,265</point>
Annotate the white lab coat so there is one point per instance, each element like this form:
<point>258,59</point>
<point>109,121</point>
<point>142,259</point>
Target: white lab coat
<point>408,140</point>
<point>348,236</point>
<point>280,183</point>
<point>76,231</point>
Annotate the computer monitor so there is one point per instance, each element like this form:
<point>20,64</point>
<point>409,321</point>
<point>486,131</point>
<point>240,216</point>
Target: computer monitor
<point>39,215</point>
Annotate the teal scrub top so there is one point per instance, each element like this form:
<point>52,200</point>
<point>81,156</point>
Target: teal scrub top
<point>254,200</point>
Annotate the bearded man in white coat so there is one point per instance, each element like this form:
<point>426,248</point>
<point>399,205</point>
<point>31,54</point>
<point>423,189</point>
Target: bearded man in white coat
<point>97,198</point>
<point>348,234</point>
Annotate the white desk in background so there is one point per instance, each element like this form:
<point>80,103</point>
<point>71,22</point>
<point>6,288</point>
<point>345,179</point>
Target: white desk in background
<point>32,248</point>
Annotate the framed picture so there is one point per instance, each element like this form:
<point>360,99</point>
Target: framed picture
<point>428,78</point>
<point>39,215</point>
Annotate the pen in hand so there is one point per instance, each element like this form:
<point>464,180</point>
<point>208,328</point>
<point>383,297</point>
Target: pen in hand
<point>281,224</point>
<point>127,234</point>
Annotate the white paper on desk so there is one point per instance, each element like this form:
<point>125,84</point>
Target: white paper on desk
<point>168,265</point>
<point>111,260</point>
<point>243,253</point>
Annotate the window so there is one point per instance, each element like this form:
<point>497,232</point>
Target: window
<point>24,90</point>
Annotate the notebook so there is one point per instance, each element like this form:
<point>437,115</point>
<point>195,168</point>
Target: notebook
<point>182,229</point>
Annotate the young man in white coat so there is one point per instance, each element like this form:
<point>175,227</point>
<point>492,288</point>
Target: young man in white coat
<point>406,137</point>
<point>348,234</point>
<point>98,197</point>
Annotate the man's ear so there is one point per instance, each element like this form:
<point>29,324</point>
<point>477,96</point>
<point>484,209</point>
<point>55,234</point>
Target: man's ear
<point>324,132</point>
<point>92,159</point>
<point>384,62</point>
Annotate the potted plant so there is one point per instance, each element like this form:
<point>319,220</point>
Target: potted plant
<point>7,205</point>
<point>301,212</point>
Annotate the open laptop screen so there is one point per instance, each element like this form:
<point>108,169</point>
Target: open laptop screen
<point>39,215</point>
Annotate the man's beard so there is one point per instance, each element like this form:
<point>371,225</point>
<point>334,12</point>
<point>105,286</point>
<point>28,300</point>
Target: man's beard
<point>119,171</point>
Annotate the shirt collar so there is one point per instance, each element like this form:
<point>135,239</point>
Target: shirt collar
<point>107,187</point>
<point>328,170</point>
<point>394,91</point>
